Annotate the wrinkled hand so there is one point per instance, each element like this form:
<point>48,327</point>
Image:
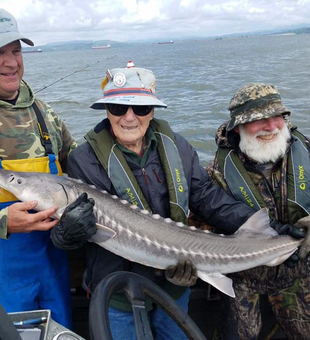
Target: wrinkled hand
<point>304,223</point>
<point>76,225</point>
<point>21,221</point>
<point>183,274</point>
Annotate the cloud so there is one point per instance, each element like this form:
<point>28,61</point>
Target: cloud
<point>122,20</point>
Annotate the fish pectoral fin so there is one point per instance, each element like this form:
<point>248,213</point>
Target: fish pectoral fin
<point>258,225</point>
<point>103,234</point>
<point>219,281</point>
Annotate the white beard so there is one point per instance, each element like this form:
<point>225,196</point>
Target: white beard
<point>264,151</point>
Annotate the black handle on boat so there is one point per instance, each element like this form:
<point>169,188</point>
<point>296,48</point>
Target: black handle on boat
<point>136,288</point>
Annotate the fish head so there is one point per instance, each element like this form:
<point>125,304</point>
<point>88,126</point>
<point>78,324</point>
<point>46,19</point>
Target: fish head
<point>47,189</point>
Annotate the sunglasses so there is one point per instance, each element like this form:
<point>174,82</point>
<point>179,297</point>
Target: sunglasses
<point>120,110</point>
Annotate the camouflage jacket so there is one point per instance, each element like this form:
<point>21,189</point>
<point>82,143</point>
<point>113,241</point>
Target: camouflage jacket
<point>20,137</point>
<point>277,207</point>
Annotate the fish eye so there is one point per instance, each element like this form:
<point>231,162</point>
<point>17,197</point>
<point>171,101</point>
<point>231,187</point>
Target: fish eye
<point>19,181</point>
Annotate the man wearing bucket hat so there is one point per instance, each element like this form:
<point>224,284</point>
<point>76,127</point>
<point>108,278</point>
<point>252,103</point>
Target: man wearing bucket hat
<point>33,273</point>
<point>264,162</point>
<point>132,154</point>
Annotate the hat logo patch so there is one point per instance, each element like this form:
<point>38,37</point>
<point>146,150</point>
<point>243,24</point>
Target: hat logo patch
<point>119,79</point>
<point>5,19</point>
<point>8,24</point>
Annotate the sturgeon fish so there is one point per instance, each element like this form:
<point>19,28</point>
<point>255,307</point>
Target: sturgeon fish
<point>151,240</point>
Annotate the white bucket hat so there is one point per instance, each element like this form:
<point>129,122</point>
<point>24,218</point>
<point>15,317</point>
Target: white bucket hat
<point>128,86</point>
<point>9,30</point>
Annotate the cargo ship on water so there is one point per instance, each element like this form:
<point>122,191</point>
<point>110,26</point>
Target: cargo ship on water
<point>166,42</point>
<point>101,47</point>
<point>38,50</point>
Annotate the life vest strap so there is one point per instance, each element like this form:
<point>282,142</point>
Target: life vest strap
<point>45,137</point>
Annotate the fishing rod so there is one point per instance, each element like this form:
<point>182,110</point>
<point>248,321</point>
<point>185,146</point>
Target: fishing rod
<point>70,74</point>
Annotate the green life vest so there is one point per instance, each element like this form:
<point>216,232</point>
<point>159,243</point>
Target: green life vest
<point>124,181</point>
<point>244,189</point>
<point>127,187</point>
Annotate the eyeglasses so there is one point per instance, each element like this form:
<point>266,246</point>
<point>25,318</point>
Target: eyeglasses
<point>120,110</point>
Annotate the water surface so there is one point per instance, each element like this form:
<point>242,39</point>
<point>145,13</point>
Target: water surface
<point>196,79</point>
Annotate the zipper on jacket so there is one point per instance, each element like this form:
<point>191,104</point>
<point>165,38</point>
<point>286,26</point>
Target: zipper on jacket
<point>145,176</point>
<point>272,195</point>
<point>275,181</point>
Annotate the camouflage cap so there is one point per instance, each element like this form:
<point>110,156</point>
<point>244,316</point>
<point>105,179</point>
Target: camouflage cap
<point>253,102</point>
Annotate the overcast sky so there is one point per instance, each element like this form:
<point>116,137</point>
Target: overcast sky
<point>47,21</point>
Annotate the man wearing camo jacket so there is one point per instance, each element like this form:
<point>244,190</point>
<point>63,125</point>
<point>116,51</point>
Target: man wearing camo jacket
<point>33,272</point>
<point>263,161</point>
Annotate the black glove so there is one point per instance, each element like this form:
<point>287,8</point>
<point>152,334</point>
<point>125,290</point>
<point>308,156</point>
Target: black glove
<point>76,225</point>
<point>293,260</point>
<point>287,229</point>
<point>183,274</point>
<point>305,246</point>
